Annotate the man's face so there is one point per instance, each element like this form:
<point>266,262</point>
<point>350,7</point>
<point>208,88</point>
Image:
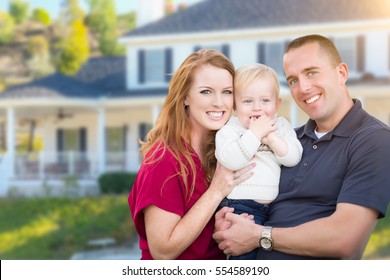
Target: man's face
<point>316,85</point>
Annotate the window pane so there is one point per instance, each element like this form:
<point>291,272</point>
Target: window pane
<point>154,66</point>
<point>347,50</point>
<point>274,56</point>
<point>114,139</point>
<point>71,140</point>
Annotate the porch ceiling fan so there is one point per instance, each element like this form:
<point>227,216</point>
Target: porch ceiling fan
<point>61,114</point>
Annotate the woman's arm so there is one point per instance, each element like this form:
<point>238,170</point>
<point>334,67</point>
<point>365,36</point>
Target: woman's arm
<point>169,234</point>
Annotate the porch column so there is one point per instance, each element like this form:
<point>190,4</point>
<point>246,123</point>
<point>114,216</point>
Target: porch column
<point>363,101</point>
<point>132,159</point>
<point>11,141</point>
<point>101,140</point>
<point>155,112</point>
<point>293,114</point>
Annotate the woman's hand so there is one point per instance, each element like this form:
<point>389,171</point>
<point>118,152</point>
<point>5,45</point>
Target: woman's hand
<point>224,180</point>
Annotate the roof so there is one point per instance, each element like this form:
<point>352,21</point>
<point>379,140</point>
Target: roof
<point>220,15</point>
<point>90,84</point>
<point>53,86</point>
<point>105,73</point>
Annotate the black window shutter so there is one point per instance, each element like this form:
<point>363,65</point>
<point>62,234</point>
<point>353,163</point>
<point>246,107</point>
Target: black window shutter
<point>142,129</point>
<point>361,42</point>
<point>125,128</point>
<point>261,53</point>
<point>83,139</point>
<point>60,140</point>
<point>168,64</point>
<point>141,66</point>
<point>60,144</point>
<point>226,50</point>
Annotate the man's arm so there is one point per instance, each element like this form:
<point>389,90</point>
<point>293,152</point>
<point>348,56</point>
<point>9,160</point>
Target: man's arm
<point>343,234</point>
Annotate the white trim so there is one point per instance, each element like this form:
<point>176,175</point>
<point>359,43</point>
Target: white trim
<point>101,138</point>
<point>132,102</point>
<point>156,109</point>
<point>47,102</point>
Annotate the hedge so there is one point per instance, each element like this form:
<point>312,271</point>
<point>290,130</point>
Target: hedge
<point>116,182</point>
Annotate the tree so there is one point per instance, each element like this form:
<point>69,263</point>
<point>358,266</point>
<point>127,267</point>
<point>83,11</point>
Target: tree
<point>74,49</point>
<point>39,62</point>
<point>102,20</point>
<point>71,11</point>
<point>7,26</point>
<point>42,16</point>
<point>126,22</point>
<point>2,84</point>
<point>19,10</point>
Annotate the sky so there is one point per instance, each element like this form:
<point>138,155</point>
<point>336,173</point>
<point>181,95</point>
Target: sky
<point>52,6</point>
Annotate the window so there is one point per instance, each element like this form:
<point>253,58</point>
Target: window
<point>347,48</point>
<point>154,66</point>
<point>115,138</point>
<point>143,129</point>
<point>71,140</point>
<point>274,56</point>
<point>225,49</point>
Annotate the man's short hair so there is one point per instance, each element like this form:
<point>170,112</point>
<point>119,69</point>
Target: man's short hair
<point>325,44</point>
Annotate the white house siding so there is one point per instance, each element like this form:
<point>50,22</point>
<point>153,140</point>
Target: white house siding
<point>377,52</point>
<point>243,52</point>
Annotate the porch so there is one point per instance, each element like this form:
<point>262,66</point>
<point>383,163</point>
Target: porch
<point>45,165</point>
<point>65,173</point>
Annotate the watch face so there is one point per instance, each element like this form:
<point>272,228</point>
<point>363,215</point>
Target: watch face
<point>266,243</point>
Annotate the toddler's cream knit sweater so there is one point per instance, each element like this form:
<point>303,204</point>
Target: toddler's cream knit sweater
<point>237,146</point>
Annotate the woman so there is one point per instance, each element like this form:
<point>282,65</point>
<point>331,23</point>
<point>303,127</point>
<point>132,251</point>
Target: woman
<point>180,184</point>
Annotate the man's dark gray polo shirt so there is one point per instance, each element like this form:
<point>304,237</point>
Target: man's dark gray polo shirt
<point>350,164</point>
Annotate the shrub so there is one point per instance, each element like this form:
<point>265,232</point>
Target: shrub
<point>116,182</point>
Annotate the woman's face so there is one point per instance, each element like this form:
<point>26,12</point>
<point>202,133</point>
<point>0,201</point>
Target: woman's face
<point>210,100</point>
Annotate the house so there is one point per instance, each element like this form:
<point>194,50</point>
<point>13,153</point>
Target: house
<point>91,123</point>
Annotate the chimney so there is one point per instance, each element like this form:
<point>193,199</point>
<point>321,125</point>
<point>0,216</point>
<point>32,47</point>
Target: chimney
<point>149,11</point>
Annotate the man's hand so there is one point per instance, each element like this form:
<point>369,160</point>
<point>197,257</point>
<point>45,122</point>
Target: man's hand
<point>220,222</point>
<point>240,237</point>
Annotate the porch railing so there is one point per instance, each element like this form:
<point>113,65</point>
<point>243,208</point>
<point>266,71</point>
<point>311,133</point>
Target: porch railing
<point>40,165</point>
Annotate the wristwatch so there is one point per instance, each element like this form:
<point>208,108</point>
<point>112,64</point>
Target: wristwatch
<point>265,241</point>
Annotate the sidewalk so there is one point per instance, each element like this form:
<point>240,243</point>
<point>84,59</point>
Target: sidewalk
<point>112,253</point>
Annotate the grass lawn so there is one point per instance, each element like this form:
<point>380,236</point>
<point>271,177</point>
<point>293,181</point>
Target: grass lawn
<point>56,228</point>
<point>378,246</point>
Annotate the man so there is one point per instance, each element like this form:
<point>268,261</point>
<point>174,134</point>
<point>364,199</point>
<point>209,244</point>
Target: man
<point>329,203</point>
